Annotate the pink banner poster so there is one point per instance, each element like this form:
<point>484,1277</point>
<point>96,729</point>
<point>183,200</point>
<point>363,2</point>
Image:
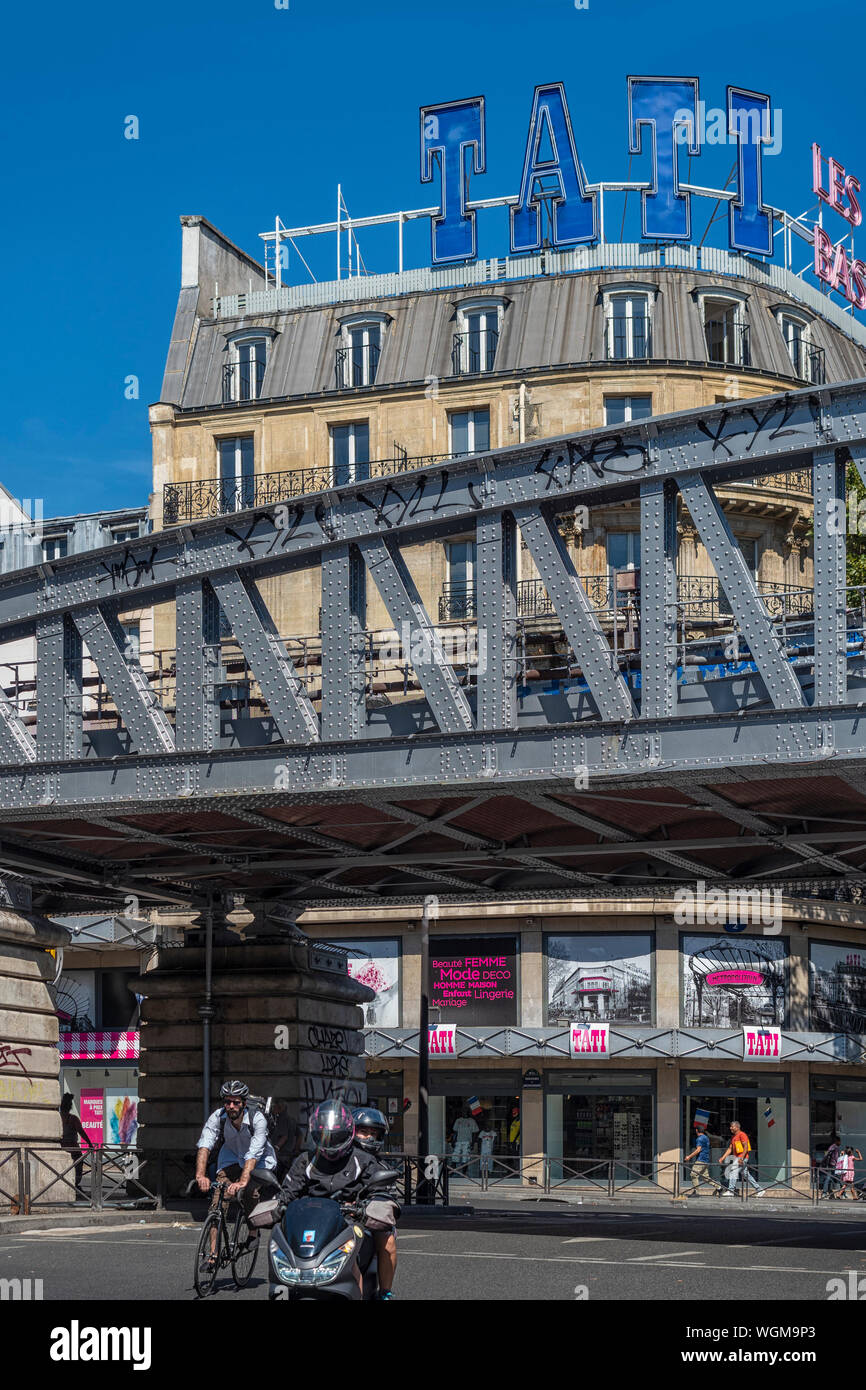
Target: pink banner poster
<point>90,1108</point>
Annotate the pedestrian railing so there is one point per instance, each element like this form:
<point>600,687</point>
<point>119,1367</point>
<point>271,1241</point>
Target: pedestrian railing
<point>40,1178</point>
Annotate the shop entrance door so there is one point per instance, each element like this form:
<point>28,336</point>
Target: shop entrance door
<point>764,1117</point>
<point>586,1129</point>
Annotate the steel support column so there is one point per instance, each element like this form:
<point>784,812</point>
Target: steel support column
<point>344,618</point>
<point>658,592</point>
<point>496,581</point>
<point>59,690</point>
<point>829,530</point>
<point>198,665</point>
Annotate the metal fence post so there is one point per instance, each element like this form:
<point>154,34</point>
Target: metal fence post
<point>610,1178</point>
<point>160,1182</point>
<point>96,1181</point>
<point>445,1201</point>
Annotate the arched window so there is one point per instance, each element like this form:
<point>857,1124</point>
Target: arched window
<point>725,327</point>
<point>359,350</point>
<point>245,365</point>
<point>475,342</point>
<point>807,359</point>
<point>627,322</point>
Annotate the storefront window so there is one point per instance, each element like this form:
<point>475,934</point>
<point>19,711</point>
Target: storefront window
<point>476,1118</point>
<point>713,1099</point>
<point>473,980</point>
<point>837,987</point>
<point>838,1108</point>
<point>592,978</point>
<point>728,983</point>
<point>592,1118</point>
<point>377,965</point>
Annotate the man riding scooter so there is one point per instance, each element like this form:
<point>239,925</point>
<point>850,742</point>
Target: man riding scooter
<point>341,1170</point>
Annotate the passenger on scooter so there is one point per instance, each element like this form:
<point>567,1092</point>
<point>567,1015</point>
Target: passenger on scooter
<point>340,1170</point>
<point>371,1129</point>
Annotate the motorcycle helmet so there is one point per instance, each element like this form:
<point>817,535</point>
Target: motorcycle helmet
<point>367,1117</point>
<point>234,1090</point>
<point>332,1129</point>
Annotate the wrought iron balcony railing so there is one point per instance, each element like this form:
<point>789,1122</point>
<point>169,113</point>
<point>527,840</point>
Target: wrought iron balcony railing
<point>474,351</point>
<point>242,381</point>
<point>357,365</point>
<point>728,342</point>
<point>699,599</point>
<point>808,362</point>
<point>204,497</point>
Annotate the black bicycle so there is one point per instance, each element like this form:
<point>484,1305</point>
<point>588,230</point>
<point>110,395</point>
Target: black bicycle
<point>227,1240</point>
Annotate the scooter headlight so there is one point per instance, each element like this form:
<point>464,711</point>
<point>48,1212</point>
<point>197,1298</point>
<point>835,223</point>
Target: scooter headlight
<point>283,1270</point>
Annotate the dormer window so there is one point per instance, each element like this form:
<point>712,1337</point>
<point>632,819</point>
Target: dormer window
<point>474,345</point>
<point>244,372</point>
<point>806,359</point>
<point>357,359</point>
<point>726,331</point>
<point>627,325</point>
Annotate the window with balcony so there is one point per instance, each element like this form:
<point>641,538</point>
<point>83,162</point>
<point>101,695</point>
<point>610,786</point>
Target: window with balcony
<point>350,453</point>
<point>622,410</point>
<point>475,342</point>
<point>458,599</point>
<point>244,372</point>
<point>627,326</point>
<point>358,354</point>
<point>726,331</point>
<point>237,473</point>
<point>470,431</point>
<point>806,358</point>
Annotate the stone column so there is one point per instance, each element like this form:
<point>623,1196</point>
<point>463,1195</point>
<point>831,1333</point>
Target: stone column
<point>286,1020</point>
<point>29,1058</point>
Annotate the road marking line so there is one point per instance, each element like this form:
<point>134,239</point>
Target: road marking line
<point>669,1255</point>
<point>580,1240</point>
<point>79,1230</point>
<point>592,1260</point>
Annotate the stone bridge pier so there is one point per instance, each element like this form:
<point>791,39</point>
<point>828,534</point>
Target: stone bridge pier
<point>285,1018</point>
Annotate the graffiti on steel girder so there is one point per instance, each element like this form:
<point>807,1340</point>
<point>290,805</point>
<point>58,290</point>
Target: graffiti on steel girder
<point>609,456</point>
<point>129,571</point>
<point>777,414</point>
<point>393,506</point>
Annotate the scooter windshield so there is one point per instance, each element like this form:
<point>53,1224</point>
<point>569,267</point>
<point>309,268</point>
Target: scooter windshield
<point>310,1224</point>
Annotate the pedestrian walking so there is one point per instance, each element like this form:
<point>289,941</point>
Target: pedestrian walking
<point>738,1151</point>
<point>845,1173</point>
<point>829,1183</point>
<point>700,1173</point>
<point>72,1132</point>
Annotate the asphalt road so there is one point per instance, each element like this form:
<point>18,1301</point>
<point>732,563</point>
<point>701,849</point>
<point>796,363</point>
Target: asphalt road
<point>640,1256</point>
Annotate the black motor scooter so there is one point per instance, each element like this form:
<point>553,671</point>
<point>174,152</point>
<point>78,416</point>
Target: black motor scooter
<point>320,1247</point>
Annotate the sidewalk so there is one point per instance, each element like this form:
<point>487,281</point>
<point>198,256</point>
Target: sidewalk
<point>527,1200</point>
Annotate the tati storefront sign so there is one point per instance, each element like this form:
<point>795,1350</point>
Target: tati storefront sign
<point>594,1040</point>
<point>762,1044</point>
<point>442,1040</point>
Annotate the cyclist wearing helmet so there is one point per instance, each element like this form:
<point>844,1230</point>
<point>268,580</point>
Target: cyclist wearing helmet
<point>371,1129</point>
<point>338,1169</point>
<point>243,1149</point>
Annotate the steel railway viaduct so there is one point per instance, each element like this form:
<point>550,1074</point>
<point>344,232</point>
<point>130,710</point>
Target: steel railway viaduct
<point>674,759</point>
<point>679,756</point>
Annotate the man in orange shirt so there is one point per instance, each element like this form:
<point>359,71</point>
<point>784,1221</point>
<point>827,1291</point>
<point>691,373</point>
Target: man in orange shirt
<point>738,1150</point>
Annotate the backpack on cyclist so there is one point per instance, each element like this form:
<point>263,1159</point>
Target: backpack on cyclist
<point>254,1105</point>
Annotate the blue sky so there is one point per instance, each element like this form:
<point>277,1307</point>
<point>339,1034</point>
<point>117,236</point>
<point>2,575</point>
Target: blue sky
<point>247,111</point>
